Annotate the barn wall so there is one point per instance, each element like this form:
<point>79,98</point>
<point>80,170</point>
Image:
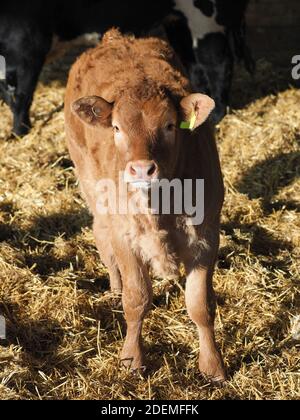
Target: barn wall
<point>274,29</point>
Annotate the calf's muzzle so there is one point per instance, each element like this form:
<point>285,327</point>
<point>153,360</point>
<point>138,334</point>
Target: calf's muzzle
<point>141,173</point>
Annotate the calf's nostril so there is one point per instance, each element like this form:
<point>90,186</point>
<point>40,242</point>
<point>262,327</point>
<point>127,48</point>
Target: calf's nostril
<point>152,170</point>
<point>132,170</point>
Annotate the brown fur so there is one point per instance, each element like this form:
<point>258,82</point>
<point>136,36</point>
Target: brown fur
<point>144,82</point>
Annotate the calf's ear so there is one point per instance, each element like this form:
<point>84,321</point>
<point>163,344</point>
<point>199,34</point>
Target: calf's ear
<point>93,111</point>
<point>197,108</point>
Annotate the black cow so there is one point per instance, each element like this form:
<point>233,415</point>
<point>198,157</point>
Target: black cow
<point>25,39</point>
<point>205,33</point>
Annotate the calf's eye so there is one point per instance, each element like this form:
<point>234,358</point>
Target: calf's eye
<point>116,129</point>
<point>170,127</point>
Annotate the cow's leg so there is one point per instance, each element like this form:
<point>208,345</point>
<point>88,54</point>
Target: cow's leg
<point>137,300</point>
<point>107,256</point>
<point>26,80</point>
<point>18,96</point>
<point>200,302</point>
<point>24,62</point>
<point>213,71</point>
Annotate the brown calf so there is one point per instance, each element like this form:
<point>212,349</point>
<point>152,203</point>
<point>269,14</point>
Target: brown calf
<point>124,104</point>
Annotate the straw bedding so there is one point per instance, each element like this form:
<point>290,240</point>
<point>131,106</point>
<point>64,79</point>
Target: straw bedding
<point>65,329</point>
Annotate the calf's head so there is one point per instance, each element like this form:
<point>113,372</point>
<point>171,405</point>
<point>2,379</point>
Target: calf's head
<point>145,129</point>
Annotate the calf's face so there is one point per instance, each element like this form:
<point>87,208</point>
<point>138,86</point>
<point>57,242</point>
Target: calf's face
<point>146,132</point>
<point>145,135</point>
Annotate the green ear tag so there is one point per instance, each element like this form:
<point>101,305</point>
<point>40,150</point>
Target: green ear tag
<point>185,125</point>
<point>189,125</point>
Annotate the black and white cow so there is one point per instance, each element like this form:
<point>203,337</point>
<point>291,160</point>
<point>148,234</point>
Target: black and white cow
<point>207,35</point>
<point>214,32</point>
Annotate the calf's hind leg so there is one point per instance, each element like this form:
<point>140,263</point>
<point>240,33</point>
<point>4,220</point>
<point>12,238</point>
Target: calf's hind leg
<point>200,302</point>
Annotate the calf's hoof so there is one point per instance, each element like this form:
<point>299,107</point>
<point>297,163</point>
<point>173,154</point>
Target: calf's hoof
<point>133,359</point>
<point>212,368</point>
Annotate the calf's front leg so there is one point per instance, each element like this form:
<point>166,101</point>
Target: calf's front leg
<point>200,302</point>
<point>137,299</point>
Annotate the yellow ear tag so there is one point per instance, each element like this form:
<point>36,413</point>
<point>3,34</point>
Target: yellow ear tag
<point>193,121</point>
<point>189,125</point>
